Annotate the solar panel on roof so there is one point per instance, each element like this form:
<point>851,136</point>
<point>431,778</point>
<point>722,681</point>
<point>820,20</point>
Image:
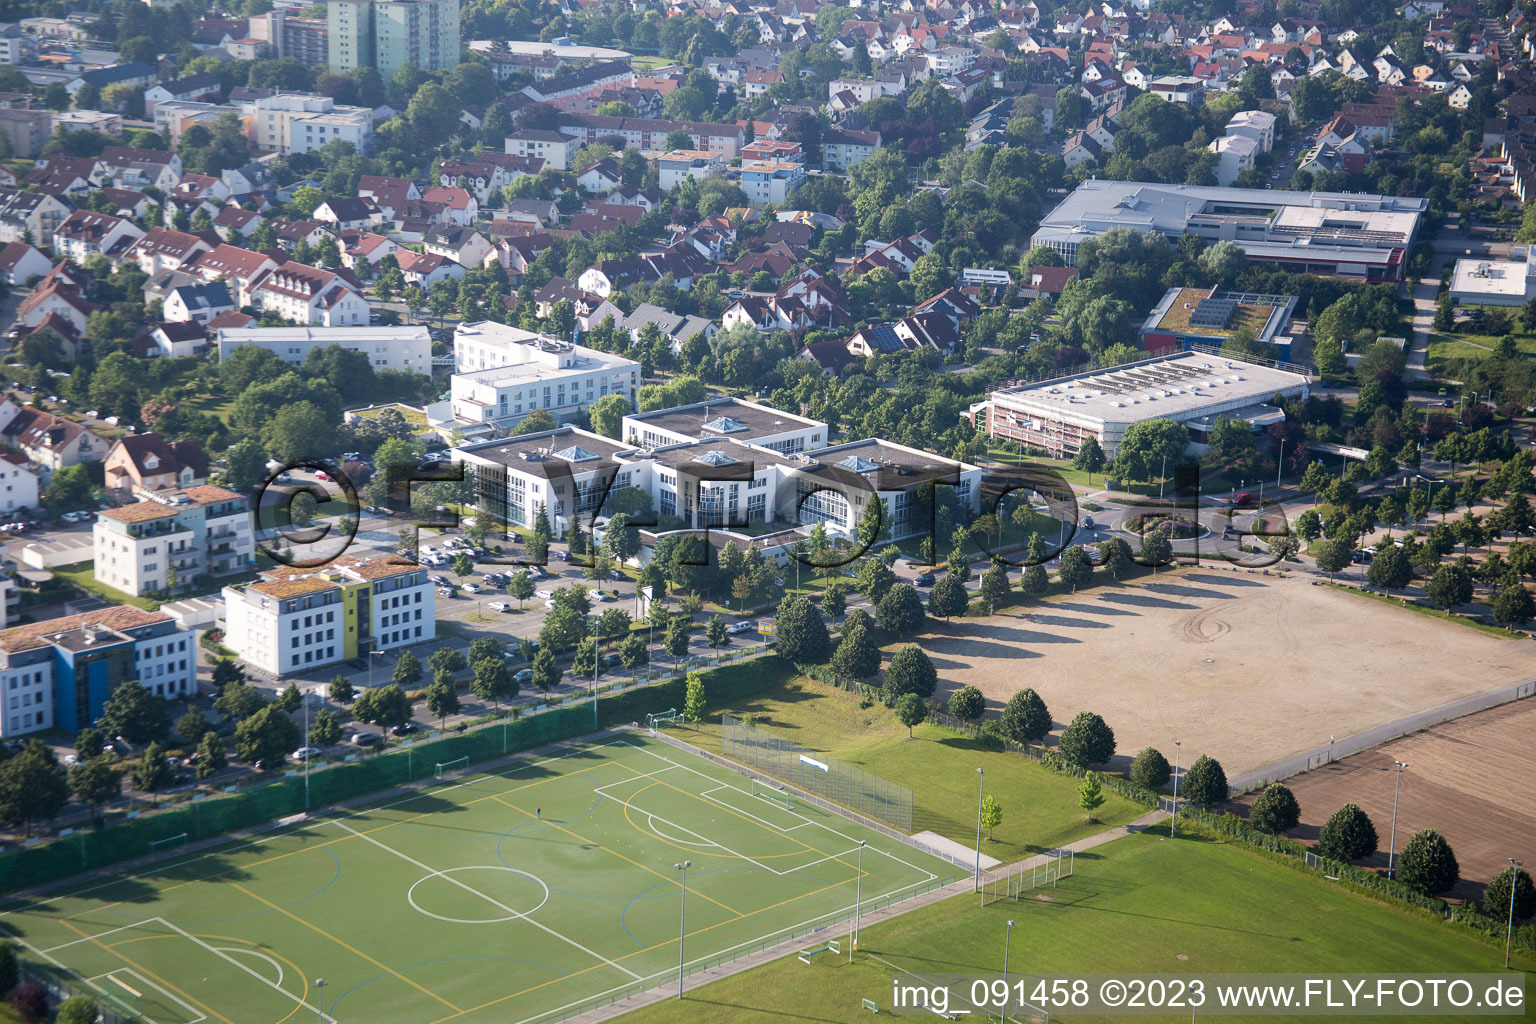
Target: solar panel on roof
<point>1216,313</point>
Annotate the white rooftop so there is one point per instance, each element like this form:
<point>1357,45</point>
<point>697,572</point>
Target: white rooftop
<point>1491,277</point>
<point>323,335</point>
<point>1180,387</point>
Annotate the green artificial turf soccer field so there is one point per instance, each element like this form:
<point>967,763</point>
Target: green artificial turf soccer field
<point>1142,904</point>
<point>501,897</point>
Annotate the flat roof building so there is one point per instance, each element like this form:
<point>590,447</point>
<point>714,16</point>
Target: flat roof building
<point>296,619</point>
<point>726,419</point>
<point>1493,282</point>
<point>505,373</point>
<point>387,348</point>
<point>1343,234</point>
<point>1186,317</point>
<point>1191,388</point>
<point>58,673</point>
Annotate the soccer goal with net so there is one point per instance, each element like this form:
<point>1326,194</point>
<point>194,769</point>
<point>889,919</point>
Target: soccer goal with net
<point>168,844</point>
<point>1016,881</point>
<point>662,719</point>
<point>776,794</point>
<point>444,767</point>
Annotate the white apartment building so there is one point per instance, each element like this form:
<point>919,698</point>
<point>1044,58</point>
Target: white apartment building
<point>303,122</point>
<point>387,348</point>
<point>1234,155</point>
<point>504,374</point>
<point>679,165</point>
<point>1258,125</point>
<point>770,181</point>
<point>186,534</point>
<point>58,673</point>
<point>296,620</point>
<point>554,148</point>
<point>309,295</point>
<point>18,483</point>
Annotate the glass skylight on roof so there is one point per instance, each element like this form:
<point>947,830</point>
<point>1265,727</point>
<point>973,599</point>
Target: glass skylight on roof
<point>725,425</point>
<point>715,458</point>
<point>858,464</point>
<point>575,453</point>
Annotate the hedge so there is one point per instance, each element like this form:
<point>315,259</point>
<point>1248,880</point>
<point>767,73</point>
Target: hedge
<point>129,838</point>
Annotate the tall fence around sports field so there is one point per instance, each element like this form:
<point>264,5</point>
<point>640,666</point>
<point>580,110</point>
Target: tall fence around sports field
<point>841,783</point>
<point>357,775</point>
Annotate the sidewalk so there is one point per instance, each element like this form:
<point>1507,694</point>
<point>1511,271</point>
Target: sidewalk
<point>789,947</point>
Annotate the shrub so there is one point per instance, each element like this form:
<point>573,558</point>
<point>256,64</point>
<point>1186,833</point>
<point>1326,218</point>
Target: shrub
<point>1348,835</point>
<point>1275,811</point>
<point>30,1001</point>
<point>1427,863</point>
<point>1205,783</point>
<point>1150,769</point>
<point>1088,740</point>
<point>967,703</point>
<point>1026,719</point>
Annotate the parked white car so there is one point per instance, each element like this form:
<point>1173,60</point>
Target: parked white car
<point>499,606</point>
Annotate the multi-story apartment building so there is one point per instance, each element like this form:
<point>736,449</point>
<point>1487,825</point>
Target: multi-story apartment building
<point>770,181</point>
<point>306,40</point>
<point>302,123</point>
<point>294,620</point>
<point>309,295</point>
<point>387,348</point>
<point>58,673</point>
<point>504,374</point>
<point>166,543</point>
<point>651,133</point>
<point>554,148</point>
<point>389,34</point>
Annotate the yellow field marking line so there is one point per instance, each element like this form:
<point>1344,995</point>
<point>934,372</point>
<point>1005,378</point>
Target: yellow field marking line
<point>343,944</point>
<point>178,933</point>
<point>577,835</point>
<point>434,872</point>
<point>352,834</point>
<point>130,961</point>
<point>639,952</point>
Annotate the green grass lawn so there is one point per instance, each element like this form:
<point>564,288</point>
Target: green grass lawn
<point>497,897</point>
<point>1040,809</point>
<point>82,575</point>
<point>1141,904</point>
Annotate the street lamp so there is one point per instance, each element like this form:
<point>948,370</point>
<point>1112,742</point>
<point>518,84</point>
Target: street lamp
<point>1007,941</point>
<point>1509,929</point>
<point>1173,818</point>
<point>305,744</point>
<point>1280,464</point>
<point>858,899</point>
<point>319,1001</point>
<point>981,786</point>
<point>1392,845</point>
<point>595,619</point>
<point>682,927</point>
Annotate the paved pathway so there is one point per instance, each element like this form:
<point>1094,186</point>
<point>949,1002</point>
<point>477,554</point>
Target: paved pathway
<point>789,947</point>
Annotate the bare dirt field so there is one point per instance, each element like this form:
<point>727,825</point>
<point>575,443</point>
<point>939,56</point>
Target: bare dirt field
<point>1472,780</point>
<point>1246,668</point>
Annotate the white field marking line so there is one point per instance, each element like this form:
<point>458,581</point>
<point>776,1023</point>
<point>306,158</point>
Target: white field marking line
<point>470,889</point>
<point>703,842</point>
<point>248,970</point>
<point>708,794</point>
<point>93,938</point>
<point>147,984</point>
<point>236,950</point>
<point>717,845</point>
<point>632,778</point>
<point>870,848</point>
<point>671,973</point>
<point>312,824</point>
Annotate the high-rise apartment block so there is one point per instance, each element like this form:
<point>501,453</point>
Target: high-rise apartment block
<point>389,34</point>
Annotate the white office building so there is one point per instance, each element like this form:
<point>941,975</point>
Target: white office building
<point>303,123</point>
<point>180,536</point>
<point>298,620</point>
<point>387,348</point>
<point>504,374</point>
<point>1192,388</point>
